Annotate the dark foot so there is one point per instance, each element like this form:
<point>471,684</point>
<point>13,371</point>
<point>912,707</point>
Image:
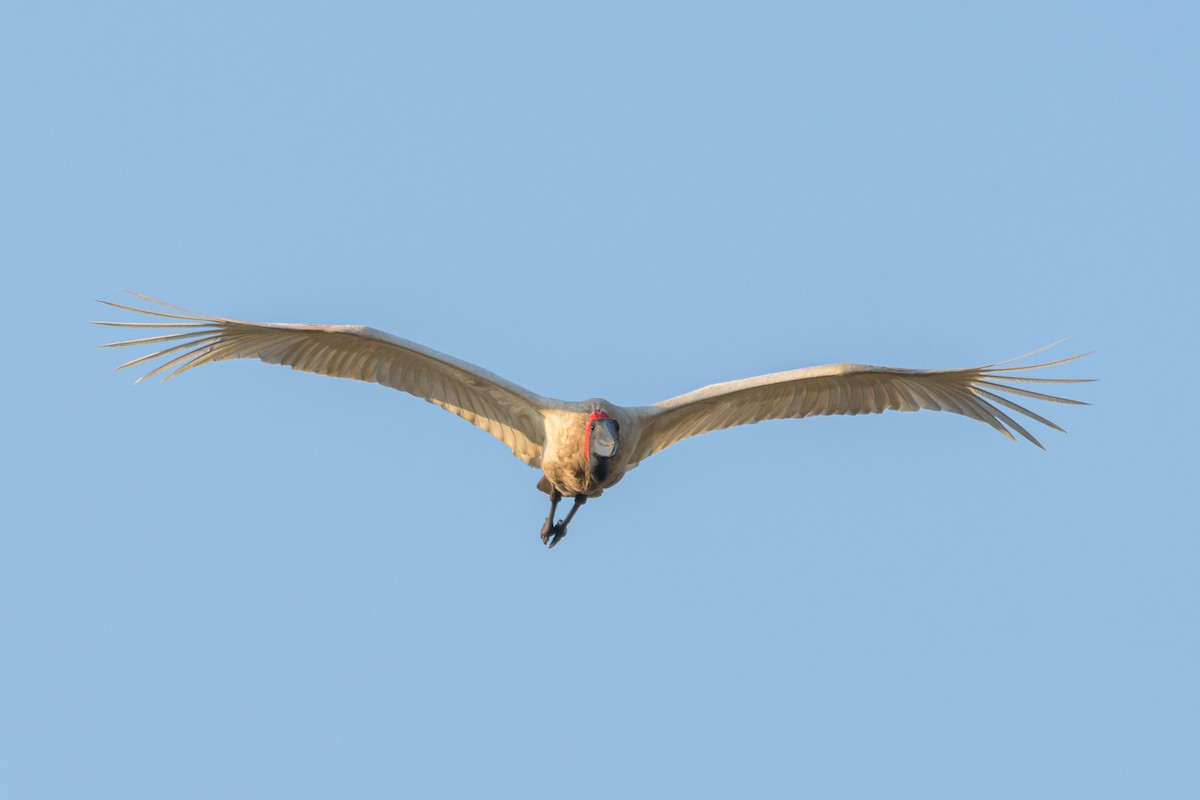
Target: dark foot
<point>553,534</point>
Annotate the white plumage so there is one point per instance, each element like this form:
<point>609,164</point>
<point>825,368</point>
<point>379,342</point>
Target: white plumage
<point>585,447</point>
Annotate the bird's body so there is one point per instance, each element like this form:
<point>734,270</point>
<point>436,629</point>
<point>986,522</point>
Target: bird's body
<point>565,465</point>
<point>586,447</point>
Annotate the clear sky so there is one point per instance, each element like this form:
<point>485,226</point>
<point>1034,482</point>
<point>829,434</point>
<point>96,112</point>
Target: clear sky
<point>251,582</point>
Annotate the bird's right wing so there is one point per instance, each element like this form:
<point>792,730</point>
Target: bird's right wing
<point>848,389</point>
<point>505,410</point>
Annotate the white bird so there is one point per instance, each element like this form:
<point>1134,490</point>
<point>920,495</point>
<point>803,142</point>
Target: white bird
<point>585,447</point>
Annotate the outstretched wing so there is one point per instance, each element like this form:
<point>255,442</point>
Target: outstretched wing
<point>505,410</point>
<point>849,389</point>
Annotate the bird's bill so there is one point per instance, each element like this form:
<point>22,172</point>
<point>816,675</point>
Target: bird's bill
<point>606,438</point>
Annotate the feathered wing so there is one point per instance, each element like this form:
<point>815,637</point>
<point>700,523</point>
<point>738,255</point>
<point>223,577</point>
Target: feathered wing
<point>505,410</point>
<point>849,389</point>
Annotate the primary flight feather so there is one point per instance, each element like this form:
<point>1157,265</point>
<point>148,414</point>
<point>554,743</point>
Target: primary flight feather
<point>585,447</point>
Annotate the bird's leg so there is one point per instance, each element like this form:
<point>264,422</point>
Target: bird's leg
<point>548,526</point>
<point>560,528</point>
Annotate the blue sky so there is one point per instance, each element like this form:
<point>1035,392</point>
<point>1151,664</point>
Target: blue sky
<point>250,582</point>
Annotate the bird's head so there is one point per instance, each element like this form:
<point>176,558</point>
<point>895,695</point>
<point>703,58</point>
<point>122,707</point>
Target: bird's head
<point>603,435</point>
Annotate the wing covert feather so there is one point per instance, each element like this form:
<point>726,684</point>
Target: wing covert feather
<point>849,389</point>
<point>507,411</point>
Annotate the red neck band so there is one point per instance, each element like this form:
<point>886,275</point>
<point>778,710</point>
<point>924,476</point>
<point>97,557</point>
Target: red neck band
<point>599,413</point>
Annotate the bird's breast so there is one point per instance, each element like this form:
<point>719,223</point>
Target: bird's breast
<point>565,462</point>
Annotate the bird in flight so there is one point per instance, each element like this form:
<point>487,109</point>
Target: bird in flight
<point>583,448</point>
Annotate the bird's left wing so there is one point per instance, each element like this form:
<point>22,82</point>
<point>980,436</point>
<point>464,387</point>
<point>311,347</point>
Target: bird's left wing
<point>505,410</point>
<point>848,389</point>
